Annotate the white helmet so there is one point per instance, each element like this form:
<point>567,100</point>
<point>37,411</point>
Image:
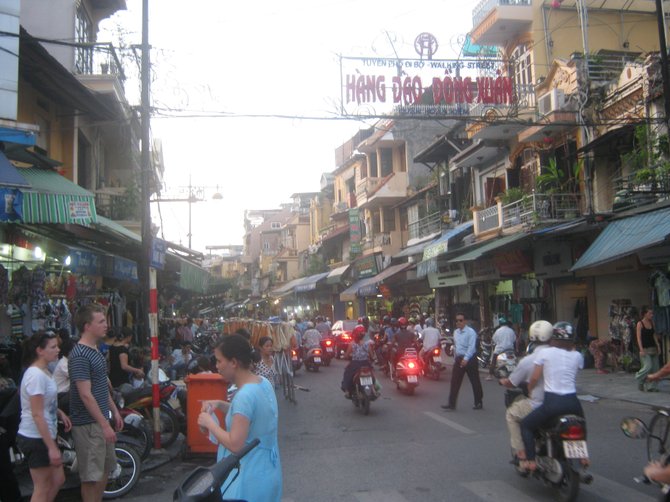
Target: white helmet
<point>540,331</point>
<point>310,325</point>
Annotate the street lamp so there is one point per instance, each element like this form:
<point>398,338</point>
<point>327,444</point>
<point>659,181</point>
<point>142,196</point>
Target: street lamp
<point>194,193</point>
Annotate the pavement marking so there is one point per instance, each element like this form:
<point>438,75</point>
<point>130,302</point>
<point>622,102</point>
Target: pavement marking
<point>496,491</point>
<point>611,490</point>
<point>380,496</point>
<point>450,423</point>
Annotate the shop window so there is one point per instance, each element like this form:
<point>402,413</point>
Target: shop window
<point>386,161</point>
<point>83,35</point>
<point>389,220</point>
<point>492,188</point>
<point>84,175</point>
<point>372,159</point>
<point>275,225</point>
<point>364,171</point>
<point>376,222</point>
<point>523,69</point>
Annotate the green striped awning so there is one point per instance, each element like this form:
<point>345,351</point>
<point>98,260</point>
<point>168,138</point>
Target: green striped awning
<point>55,199</point>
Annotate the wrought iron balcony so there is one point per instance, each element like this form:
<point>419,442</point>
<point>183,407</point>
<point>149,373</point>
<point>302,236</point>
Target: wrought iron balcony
<point>376,241</point>
<point>425,226</point>
<point>99,59</point>
<point>639,189</point>
<point>113,203</point>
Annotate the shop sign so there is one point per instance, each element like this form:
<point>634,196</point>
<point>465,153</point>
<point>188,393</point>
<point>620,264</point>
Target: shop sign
<point>354,231</point>
<point>453,274</point>
<point>435,250</point>
<point>125,269</point>
<point>658,255</point>
<point>369,290</point>
<point>80,209</point>
<point>552,259</point>
<point>482,270</point>
<point>158,251</point>
<point>11,204</point>
<point>393,87</point>
<point>513,262</point>
<point>385,291</point>
<point>84,262</point>
<point>367,266</point>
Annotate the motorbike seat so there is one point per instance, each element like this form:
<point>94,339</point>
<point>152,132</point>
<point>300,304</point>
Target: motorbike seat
<point>130,395</point>
<point>563,421</point>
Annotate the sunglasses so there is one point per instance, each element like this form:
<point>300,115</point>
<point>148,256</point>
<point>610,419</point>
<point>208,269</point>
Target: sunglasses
<point>460,320</point>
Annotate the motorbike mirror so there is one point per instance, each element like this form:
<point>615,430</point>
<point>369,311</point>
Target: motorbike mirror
<point>634,428</point>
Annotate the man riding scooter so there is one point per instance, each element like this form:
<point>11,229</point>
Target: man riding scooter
<point>431,339</point>
<point>402,340</point>
<point>504,339</point>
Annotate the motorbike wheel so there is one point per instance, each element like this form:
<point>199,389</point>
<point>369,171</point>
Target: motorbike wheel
<point>410,390</point>
<point>435,373</point>
<point>144,436</point>
<point>568,489</point>
<point>501,373</point>
<point>169,425</point>
<point>658,439</point>
<point>365,404</point>
<point>326,361</point>
<point>483,363</point>
<point>131,465</point>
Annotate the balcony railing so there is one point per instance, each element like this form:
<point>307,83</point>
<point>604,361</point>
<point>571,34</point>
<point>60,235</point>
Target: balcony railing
<point>605,67</point>
<point>113,204</point>
<point>528,212</point>
<point>99,59</point>
<point>635,190</point>
<point>339,207</point>
<point>483,8</point>
<point>425,226</point>
<point>377,241</point>
<point>367,185</point>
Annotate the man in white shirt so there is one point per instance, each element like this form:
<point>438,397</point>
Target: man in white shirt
<point>504,339</point>
<point>430,338</point>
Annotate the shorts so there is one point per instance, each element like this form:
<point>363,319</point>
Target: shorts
<point>35,451</point>
<point>96,458</point>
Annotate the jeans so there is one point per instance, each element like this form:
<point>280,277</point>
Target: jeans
<point>649,365</point>
<point>554,405</point>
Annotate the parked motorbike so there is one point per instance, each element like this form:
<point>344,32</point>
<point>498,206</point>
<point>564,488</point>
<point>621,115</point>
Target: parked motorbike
<point>405,372</point>
<point>561,454</point>
<point>135,426</point>
<point>656,437</point>
<point>313,359</point>
<point>432,363</point>
<point>364,389</point>
<point>485,349</point>
<point>328,349</point>
<point>204,484</point>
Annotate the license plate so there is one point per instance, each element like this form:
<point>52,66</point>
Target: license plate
<point>329,349</point>
<point>317,359</point>
<point>436,359</point>
<point>575,449</point>
<point>294,358</point>
<point>366,380</point>
<point>412,378</point>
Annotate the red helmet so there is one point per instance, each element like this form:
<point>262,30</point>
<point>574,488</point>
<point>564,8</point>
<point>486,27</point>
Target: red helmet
<point>359,331</point>
<point>402,321</point>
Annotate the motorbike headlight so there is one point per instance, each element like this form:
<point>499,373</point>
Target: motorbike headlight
<point>120,402</point>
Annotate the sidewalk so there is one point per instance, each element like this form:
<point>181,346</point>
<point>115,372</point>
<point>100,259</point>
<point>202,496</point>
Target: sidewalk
<point>621,386</point>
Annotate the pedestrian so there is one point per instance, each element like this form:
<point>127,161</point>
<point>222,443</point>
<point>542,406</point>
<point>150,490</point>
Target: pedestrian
<point>265,367</point>
<point>465,348</point>
<point>599,349</point>
<point>252,414</point>
<point>91,405</point>
<point>120,369</point>
<point>180,359</point>
<point>649,345</point>
<point>39,417</point>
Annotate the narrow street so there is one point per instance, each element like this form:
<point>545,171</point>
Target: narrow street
<point>409,449</point>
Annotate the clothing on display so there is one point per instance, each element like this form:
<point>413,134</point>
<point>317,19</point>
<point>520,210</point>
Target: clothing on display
<point>622,315</point>
<point>660,300</point>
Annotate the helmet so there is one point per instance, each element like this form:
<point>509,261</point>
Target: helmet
<point>563,331</point>
<point>310,325</point>
<point>502,320</point>
<point>359,331</point>
<point>394,321</point>
<point>412,320</point>
<point>402,322</point>
<point>430,323</point>
<point>386,320</point>
<point>540,331</point>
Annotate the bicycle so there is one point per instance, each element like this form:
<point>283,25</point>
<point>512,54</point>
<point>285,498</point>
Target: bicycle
<point>284,369</point>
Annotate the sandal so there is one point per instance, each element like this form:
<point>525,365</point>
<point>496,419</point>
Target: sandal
<point>528,465</point>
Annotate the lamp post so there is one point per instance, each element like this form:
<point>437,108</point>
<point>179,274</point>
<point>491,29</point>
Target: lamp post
<point>193,194</point>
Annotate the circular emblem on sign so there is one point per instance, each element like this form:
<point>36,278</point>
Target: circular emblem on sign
<point>425,45</point>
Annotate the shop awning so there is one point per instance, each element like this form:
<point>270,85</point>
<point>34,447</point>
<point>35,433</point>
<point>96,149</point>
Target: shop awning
<point>489,247</point>
<point>335,275</point>
<point>309,283</point>
<point>10,175</point>
<point>286,288</point>
<point>368,286</point>
<point>53,198</point>
<point>193,277</point>
<point>107,225</point>
<point>415,249</point>
<point>232,305</point>
<point>626,236</point>
<point>441,245</point>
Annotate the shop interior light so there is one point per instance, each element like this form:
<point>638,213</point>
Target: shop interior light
<point>68,260</point>
<point>308,307</point>
<point>38,253</point>
<point>380,296</point>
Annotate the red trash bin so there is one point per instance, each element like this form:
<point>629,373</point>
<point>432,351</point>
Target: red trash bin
<point>202,387</point>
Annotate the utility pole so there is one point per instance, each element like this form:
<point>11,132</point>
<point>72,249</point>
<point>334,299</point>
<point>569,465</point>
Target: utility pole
<point>147,275</point>
<point>660,15</point>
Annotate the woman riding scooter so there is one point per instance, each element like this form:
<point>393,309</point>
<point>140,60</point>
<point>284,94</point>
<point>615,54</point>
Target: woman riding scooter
<point>361,354</point>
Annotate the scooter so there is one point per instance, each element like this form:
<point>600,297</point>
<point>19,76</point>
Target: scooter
<point>204,484</point>
<point>405,372</point>
<point>505,364</point>
<point>484,352</point>
<point>561,455</point>
<point>432,363</point>
<point>296,359</point>
<point>328,349</point>
<point>313,359</point>
<point>364,391</point>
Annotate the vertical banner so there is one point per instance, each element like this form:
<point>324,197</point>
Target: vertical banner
<point>354,231</point>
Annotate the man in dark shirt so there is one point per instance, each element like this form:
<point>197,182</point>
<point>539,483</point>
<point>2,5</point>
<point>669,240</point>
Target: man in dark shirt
<point>403,339</point>
<point>91,404</point>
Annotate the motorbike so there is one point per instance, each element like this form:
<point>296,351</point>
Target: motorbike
<point>313,359</point>
<point>485,349</point>
<point>432,363</point>
<point>561,454</point>
<point>656,437</point>
<point>364,389</point>
<point>296,359</point>
<point>405,372</point>
<point>135,426</point>
<point>328,349</point>
<point>204,484</point>
<point>505,364</point>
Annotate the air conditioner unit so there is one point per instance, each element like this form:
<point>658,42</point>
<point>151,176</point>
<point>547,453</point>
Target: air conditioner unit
<point>552,101</point>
